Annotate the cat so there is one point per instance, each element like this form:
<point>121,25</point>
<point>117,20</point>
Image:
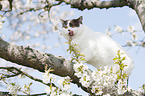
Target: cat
<point>98,48</point>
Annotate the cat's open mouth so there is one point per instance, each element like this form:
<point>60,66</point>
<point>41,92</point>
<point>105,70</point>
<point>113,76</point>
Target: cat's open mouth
<point>71,33</point>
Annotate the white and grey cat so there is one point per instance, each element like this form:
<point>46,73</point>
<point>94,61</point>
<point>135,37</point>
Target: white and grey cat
<point>98,48</point>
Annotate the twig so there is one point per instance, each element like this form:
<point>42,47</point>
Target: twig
<point>40,94</point>
<point>48,6</point>
<point>24,73</point>
<point>9,76</point>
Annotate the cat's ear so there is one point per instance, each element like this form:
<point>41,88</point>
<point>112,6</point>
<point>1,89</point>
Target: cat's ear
<point>80,19</point>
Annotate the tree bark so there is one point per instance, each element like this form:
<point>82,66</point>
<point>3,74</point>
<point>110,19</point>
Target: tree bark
<point>82,4</point>
<point>139,7</point>
<point>32,58</point>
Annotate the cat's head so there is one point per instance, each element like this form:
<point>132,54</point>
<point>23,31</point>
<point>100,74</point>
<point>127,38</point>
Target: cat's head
<point>71,28</point>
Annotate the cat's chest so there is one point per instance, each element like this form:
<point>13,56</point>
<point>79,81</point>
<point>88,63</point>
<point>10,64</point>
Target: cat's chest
<point>85,44</point>
<point>81,45</point>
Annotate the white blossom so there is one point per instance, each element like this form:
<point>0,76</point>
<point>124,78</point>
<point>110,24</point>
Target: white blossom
<point>37,34</point>
<point>65,94</point>
<point>59,91</point>
<point>1,25</point>
<point>27,37</point>
<point>134,43</point>
<point>129,89</point>
<point>29,4</point>
<point>79,74</point>
<point>18,5</point>
<point>121,91</point>
<point>66,87</point>
<point>5,4</point>
<point>108,32</point>
<point>51,90</point>
<point>131,29</point>
<point>85,80</point>
<point>49,47</point>
<point>118,29</point>
<point>141,90</point>
<point>78,67</point>
<point>47,77</point>
<point>64,83</point>
<point>115,68</point>
<point>13,88</point>
<point>134,36</point>
<point>57,45</point>
<point>44,47</point>
<point>37,44</point>
<point>103,78</point>
<point>1,21</point>
<point>129,43</point>
<point>106,77</point>
<point>3,36</point>
<point>99,92</point>
<point>122,86</point>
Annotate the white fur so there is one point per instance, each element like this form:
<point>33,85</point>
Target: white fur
<point>98,48</point>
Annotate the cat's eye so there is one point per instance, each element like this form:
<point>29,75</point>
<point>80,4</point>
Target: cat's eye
<point>73,26</point>
<point>65,27</point>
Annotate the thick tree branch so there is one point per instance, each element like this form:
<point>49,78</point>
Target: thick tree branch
<point>139,7</point>
<point>32,58</point>
<point>83,4</point>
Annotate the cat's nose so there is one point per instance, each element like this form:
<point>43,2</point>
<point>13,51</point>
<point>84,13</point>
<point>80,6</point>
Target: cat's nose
<point>68,30</point>
<point>71,33</point>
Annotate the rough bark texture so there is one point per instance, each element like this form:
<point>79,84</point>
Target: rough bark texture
<point>139,7</point>
<point>82,4</point>
<point>32,58</point>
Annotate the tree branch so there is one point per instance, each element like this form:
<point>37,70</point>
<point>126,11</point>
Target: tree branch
<point>48,7</point>
<point>139,7</point>
<point>9,76</point>
<point>82,4</point>
<point>18,72</point>
<point>5,94</point>
<point>32,58</point>
<point>40,94</point>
